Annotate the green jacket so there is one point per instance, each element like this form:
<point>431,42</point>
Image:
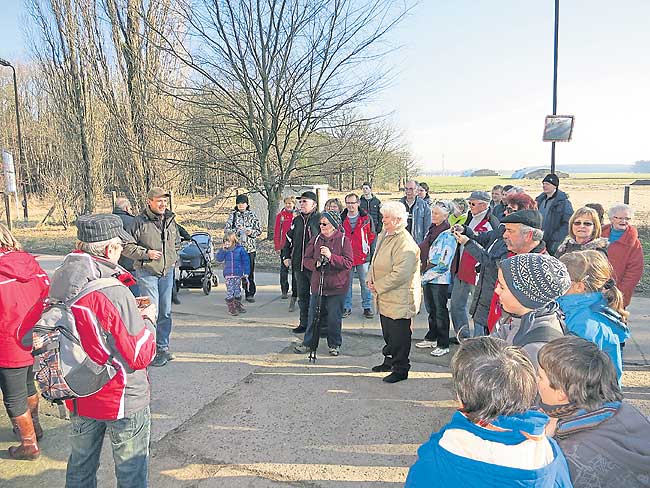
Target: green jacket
<point>152,231</point>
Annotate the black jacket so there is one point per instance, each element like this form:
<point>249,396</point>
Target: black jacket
<point>556,223</point>
<point>127,223</point>
<point>303,228</point>
<point>372,208</point>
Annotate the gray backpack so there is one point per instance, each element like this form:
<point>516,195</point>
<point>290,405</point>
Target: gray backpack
<point>64,371</point>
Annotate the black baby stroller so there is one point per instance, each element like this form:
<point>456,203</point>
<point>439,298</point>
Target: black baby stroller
<point>195,261</point>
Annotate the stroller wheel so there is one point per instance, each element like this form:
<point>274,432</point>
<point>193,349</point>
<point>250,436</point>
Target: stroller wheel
<point>215,280</point>
<point>207,286</point>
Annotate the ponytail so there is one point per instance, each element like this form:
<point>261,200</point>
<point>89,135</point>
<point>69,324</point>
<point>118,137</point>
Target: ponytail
<point>614,298</point>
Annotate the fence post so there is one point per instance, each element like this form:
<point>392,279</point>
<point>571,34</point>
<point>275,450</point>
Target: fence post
<point>113,198</point>
<point>7,209</point>
<point>626,195</point>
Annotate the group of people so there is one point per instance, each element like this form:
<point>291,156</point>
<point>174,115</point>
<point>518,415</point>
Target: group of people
<point>556,327</point>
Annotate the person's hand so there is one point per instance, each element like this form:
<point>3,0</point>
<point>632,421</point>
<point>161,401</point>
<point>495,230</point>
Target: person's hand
<point>458,228</point>
<point>325,251</point>
<point>287,262</point>
<point>371,286</point>
<point>149,312</point>
<point>460,238</point>
<point>153,254</point>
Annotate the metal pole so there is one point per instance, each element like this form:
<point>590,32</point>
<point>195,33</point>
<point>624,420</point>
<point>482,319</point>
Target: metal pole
<point>21,158</point>
<point>555,50</point>
<point>626,195</point>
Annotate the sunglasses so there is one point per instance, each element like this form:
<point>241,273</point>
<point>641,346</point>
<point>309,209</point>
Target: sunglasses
<point>580,223</point>
<point>624,219</point>
<point>509,210</point>
<point>474,204</point>
<point>324,224</point>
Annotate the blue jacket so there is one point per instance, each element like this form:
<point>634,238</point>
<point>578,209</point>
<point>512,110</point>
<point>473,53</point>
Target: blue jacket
<point>421,219</point>
<point>236,261</point>
<point>588,316</point>
<point>441,254</point>
<point>437,467</point>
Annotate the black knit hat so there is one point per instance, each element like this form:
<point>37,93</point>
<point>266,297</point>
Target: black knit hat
<point>535,279</point>
<point>241,199</point>
<point>552,179</point>
<point>101,227</point>
<point>333,217</point>
<point>310,195</point>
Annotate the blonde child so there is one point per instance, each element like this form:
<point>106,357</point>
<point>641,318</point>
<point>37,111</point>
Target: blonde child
<point>236,267</point>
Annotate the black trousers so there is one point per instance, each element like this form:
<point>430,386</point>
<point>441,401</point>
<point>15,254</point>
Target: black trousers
<point>303,279</point>
<point>397,335</point>
<point>284,280</point>
<point>251,276</point>
<point>435,301</point>
<point>16,385</point>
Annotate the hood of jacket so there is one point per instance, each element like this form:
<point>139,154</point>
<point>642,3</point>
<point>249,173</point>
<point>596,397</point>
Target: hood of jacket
<point>79,268</point>
<point>18,265</point>
<point>558,196</point>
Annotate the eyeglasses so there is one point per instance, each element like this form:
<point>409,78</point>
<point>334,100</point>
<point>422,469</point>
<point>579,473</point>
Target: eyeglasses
<point>509,210</point>
<point>580,223</point>
<point>324,224</point>
<point>474,204</point>
<point>409,189</point>
<point>351,203</point>
<point>624,219</point>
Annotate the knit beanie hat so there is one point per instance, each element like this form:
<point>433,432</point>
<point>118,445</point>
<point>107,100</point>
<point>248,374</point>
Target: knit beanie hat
<point>333,217</point>
<point>535,279</point>
<point>241,199</point>
<point>552,179</point>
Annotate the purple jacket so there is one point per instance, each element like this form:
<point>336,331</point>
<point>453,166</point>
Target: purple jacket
<point>337,273</point>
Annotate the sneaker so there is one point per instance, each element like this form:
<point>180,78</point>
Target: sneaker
<point>168,354</point>
<point>346,313</point>
<point>300,349</point>
<point>285,296</point>
<point>426,344</point>
<point>250,299</point>
<point>292,304</point>
<point>367,313</point>
<point>159,360</point>
<point>176,300</point>
<point>440,351</point>
<point>382,368</point>
<point>394,377</point>
<point>335,351</point>
<point>299,330</point>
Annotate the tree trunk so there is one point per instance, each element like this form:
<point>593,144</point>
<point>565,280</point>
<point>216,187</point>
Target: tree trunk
<point>274,202</point>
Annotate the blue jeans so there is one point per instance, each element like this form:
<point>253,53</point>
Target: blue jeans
<point>480,330</point>
<point>459,307</point>
<point>130,442</point>
<point>331,312</point>
<point>159,288</point>
<point>366,297</point>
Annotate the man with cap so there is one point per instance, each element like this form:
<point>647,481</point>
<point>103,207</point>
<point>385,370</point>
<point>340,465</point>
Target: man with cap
<point>245,224</point>
<point>126,343</point>
<point>524,235</point>
<point>556,210</point>
<point>154,255</point>
<point>419,212</point>
<point>528,285</point>
<point>479,220</point>
<point>303,228</point>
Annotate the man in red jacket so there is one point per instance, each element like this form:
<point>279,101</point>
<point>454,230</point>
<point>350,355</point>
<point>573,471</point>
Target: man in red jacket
<point>358,227</point>
<point>122,404</point>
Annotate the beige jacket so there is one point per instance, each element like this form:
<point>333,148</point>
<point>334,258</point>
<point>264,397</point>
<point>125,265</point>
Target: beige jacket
<point>395,272</point>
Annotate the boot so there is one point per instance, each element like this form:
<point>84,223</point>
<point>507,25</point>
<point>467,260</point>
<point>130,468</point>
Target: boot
<point>233,309</point>
<point>32,401</point>
<point>28,449</point>
<point>292,304</point>
<point>240,305</point>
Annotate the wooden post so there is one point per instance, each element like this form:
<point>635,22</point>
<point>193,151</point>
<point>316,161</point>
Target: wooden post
<point>626,195</point>
<point>7,209</point>
<point>113,198</point>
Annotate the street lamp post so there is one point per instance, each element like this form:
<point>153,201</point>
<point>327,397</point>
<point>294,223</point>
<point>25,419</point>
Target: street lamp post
<point>557,25</point>
<point>20,138</point>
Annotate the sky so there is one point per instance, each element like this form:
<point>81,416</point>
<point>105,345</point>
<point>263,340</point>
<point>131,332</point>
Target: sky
<point>472,80</point>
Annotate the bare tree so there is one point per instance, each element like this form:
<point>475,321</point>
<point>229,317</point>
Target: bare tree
<point>271,73</point>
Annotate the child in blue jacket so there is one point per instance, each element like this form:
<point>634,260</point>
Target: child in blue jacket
<point>236,269</point>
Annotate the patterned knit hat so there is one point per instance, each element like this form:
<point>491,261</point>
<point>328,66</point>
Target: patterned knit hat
<point>333,217</point>
<point>535,279</point>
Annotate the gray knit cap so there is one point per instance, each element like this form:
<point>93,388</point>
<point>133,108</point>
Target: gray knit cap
<point>535,279</point>
<point>333,217</point>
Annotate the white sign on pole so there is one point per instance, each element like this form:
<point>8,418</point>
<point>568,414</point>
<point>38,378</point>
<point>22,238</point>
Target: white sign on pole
<point>9,172</point>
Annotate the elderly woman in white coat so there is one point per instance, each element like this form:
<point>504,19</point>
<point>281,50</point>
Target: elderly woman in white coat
<point>394,279</point>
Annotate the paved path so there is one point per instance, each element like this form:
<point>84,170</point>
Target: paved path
<point>238,409</point>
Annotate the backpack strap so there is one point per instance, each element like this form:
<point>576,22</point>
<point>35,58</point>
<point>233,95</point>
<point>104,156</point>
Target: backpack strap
<point>94,285</point>
<point>539,334</point>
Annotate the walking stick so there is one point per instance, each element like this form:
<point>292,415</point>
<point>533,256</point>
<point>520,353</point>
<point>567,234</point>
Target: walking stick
<point>319,302</point>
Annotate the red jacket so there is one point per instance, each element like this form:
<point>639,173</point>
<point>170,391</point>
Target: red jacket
<point>23,284</point>
<point>361,237</point>
<point>282,225</point>
<point>626,257</point>
<point>112,313</point>
<point>466,270</point>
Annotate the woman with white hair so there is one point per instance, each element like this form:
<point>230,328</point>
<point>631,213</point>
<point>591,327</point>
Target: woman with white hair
<point>624,252</point>
<point>394,279</point>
